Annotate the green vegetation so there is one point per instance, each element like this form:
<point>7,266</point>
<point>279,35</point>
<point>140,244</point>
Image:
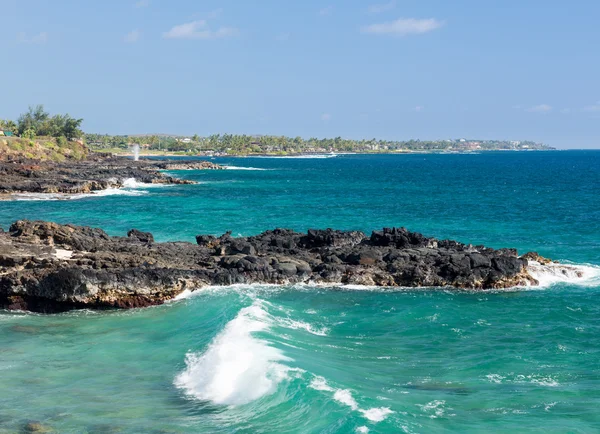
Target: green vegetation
<point>60,130</point>
<point>42,148</point>
<point>9,126</point>
<point>38,122</point>
<point>279,145</point>
<point>43,137</point>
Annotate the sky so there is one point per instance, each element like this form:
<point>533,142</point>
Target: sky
<point>386,69</point>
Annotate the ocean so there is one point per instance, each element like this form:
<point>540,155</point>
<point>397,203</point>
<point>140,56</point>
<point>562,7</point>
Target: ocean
<point>307,359</point>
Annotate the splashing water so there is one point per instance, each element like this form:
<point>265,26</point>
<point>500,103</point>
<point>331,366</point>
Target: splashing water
<point>136,152</point>
<point>237,368</point>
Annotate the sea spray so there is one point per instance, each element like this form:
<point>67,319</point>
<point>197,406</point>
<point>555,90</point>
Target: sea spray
<point>136,152</point>
<point>553,273</point>
<point>237,367</point>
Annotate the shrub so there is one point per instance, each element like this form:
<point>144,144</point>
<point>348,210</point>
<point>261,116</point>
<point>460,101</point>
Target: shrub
<point>29,133</point>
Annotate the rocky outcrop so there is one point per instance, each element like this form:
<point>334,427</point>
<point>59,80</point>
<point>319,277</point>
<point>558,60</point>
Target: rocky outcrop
<point>98,172</point>
<point>48,267</point>
<point>189,165</point>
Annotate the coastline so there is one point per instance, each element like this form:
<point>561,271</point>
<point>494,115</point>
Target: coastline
<point>127,153</point>
<point>94,174</point>
<point>48,267</point>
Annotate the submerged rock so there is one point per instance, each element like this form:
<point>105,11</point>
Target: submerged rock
<point>48,267</point>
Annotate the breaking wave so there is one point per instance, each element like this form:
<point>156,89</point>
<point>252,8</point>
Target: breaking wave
<point>311,156</point>
<point>237,367</point>
<point>244,168</point>
<point>554,273</point>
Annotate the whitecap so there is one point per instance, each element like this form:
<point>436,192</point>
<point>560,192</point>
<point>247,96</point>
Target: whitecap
<point>434,408</point>
<point>319,383</point>
<point>245,168</point>
<point>307,156</point>
<point>237,367</point>
<point>132,183</point>
<point>553,273</point>
<point>376,414</point>
<point>301,325</point>
<point>495,378</point>
<point>345,397</point>
<point>67,196</point>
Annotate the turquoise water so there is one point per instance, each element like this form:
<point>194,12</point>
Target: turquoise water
<point>310,360</point>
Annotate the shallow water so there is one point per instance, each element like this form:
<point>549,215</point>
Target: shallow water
<point>310,359</point>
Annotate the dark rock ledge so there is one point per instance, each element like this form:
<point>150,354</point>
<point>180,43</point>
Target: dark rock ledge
<point>97,172</point>
<point>47,267</point>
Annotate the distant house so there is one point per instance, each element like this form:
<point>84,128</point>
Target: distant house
<point>6,133</point>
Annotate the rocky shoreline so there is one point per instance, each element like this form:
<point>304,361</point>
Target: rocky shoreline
<point>48,267</point>
<point>95,173</point>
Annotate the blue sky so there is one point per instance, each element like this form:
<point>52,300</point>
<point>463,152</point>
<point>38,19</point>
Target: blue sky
<point>391,69</point>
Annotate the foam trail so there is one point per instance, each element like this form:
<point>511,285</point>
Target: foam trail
<point>244,168</point>
<point>237,368</point>
<point>344,396</point>
<point>66,196</point>
<point>133,184</point>
<point>297,156</point>
<point>553,273</point>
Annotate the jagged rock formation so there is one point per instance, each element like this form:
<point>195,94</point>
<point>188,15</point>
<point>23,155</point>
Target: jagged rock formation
<point>188,165</point>
<point>95,173</point>
<point>48,267</point>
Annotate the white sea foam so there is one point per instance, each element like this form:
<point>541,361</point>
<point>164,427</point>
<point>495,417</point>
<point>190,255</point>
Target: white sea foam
<point>344,396</point>
<point>553,273</point>
<point>244,168</point>
<point>65,196</point>
<point>297,156</point>
<point>319,383</point>
<point>130,187</point>
<point>131,183</point>
<point>301,325</point>
<point>540,380</point>
<point>237,367</point>
<point>376,414</point>
<point>434,408</point>
<point>362,430</point>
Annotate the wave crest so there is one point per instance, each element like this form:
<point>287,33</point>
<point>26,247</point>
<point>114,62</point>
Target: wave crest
<point>237,367</point>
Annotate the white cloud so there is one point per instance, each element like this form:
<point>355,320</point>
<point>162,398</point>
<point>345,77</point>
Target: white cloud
<point>419,108</point>
<point>40,38</point>
<point>541,108</point>
<point>383,7</point>
<point>326,117</point>
<point>326,11</point>
<point>133,36</point>
<point>403,27</point>
<point>198,30</point>
<point>142,3</point>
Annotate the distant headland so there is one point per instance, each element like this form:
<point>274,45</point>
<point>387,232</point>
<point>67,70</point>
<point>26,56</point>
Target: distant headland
<point>37,134</point>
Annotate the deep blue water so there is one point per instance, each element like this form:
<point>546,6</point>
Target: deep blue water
<point>276,359</point>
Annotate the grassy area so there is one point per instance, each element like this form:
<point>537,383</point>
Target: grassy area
<point>42,148</point>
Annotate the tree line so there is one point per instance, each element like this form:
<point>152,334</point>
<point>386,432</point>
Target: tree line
<point>234,144</point>
<point>37,122</point>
